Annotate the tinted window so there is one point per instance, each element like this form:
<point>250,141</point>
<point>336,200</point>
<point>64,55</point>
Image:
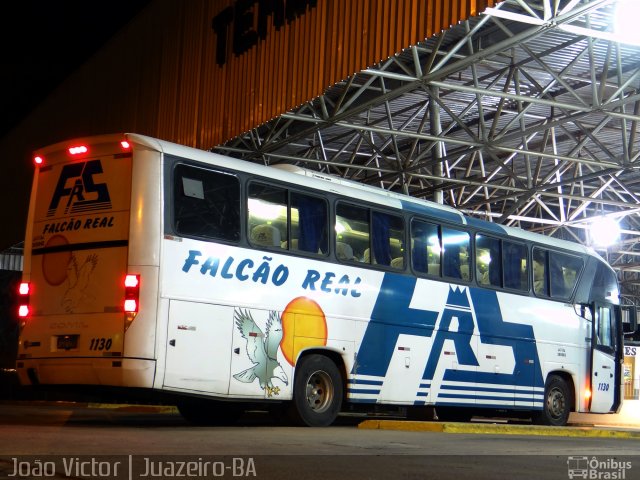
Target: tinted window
<point>425,247</point>
<point>515,266</point>
<point>563,272</point>
<point>540,277</point>
<point>488,261</point>
<point>387,240</point>
<point>352,233</point>
<point>455,258</point>
<point>309,231</point>
<point>206,203</point>
<point>267,215</point>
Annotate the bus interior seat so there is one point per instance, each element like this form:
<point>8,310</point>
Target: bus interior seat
<point>344,251</point>
<point>265,235</point>
<point>294,244</point>
<point>397,263</point>
<point>539,284</point>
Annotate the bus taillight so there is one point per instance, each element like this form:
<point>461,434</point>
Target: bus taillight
<point>125,145</point>
<point>131,298</point>
<point>38,160</point>
<point>24,292</point>
<point>78,149</point>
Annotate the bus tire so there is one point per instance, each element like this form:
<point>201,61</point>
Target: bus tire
<point>317,392</point>
<point>557,403</point>
<point>204,412</point>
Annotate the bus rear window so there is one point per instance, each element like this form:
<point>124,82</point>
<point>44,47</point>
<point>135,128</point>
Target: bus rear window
<point>206,204</point>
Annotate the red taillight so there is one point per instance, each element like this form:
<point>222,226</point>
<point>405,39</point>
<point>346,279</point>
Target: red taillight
<point>24,292</point>
<point>131,293</point>
<point>38,160</point>
<point>78,149</point>
<point>24,288</point>
<point>125,145</point>
<point>130,305</point>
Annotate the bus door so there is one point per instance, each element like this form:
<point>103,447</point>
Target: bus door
<point>198,340</point>
<point>605,367</point>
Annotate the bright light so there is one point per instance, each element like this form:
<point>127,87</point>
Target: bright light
<point>342,227</point>
<point>587,394</point>
<point>78,150</point>
<point>130,305</point>
<point>125,144</point>
<point>265,210</point>
<point>625,23</point>
<point>24,288</point>
<point>131,281</point>
<point>485,258</point>
<point>23,311</point>
<point>38,160</point>
<point>604,231</point>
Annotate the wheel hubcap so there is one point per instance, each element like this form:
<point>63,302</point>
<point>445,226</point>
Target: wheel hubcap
<point>319,391</point>
<point>556,403</point>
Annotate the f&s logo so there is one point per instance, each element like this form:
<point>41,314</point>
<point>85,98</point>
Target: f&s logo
<point>77,187</point>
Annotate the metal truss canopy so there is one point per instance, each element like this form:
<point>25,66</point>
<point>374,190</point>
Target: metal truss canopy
<point>526,115</point>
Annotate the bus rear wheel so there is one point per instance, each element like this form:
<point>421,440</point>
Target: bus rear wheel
<point>317,392</point>
<point>557,403</point>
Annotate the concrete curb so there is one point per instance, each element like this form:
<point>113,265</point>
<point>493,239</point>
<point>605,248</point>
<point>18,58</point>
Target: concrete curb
<point>497,429</point>
<point>135,408</point>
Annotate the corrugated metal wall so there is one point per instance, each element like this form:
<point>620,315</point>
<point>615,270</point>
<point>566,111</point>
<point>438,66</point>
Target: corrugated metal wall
<point>159,75</point>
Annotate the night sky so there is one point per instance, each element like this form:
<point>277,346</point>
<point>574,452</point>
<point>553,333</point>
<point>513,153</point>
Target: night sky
<point>42,43</point>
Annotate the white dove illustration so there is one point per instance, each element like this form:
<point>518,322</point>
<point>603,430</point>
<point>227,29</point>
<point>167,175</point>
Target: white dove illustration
<point>263,353</point>
<point>78,278</point>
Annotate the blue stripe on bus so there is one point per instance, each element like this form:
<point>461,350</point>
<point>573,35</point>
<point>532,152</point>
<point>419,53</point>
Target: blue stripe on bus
<point>484,225</point>
<point>363,390</point>
<point>487,389</point>
<point>507,400</point>
<point>485,405</point>
<point>358,381</point>
<point>433,212</point>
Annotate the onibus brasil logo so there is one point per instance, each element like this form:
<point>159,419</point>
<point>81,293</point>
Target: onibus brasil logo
<point>595,468</point>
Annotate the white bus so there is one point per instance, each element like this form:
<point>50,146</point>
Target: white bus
<point>221,284</point>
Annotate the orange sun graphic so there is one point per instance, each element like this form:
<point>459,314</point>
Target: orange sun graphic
<point>303,325</point>
<point>54,265</point>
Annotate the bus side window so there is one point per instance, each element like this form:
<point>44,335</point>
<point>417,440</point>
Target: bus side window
<point>352,232</point>
<point>387,237</point>
<point>565,270</point>
<point>425,247</point>
<point>206,203</point>
<point>455,259</point>
<point>308,224</point>
<point>605,328</point>
<point>267,215</point>
<point>514,263</point>
<point>540,274</point>
<point>488,261</point>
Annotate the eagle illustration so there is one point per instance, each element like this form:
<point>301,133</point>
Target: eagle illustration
<point>78,280</point>
<point>262,352</point>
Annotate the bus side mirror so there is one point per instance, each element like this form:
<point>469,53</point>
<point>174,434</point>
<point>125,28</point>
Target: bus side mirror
<point>629,319</point>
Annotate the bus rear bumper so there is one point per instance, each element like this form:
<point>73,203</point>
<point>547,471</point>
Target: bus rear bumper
<point>120,372</point>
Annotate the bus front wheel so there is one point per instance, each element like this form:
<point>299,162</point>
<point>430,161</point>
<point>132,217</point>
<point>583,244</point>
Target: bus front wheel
<point>557,403</point>
<point>317,391</point>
